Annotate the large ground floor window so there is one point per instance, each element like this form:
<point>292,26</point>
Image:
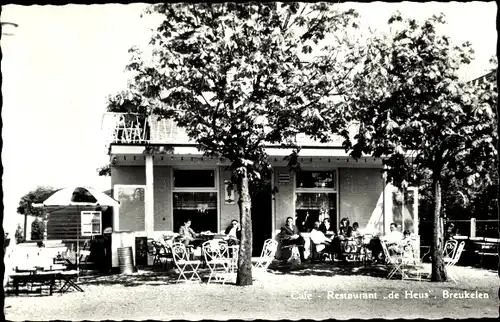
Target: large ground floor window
<point>314,206</point>
<point>200,207</point>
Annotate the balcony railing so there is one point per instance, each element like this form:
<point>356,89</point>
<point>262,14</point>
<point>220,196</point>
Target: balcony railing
<point>127,128</point>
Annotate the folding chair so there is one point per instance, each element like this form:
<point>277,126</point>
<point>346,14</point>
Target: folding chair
<point>449,262</point>
<point>395,262</point>
<point>351,249</point>
<point>184,264</point>
<point>161,254</point>
<point>267,255</point>
<point>68,277</point>
<point>216,255</point>
<point>410,260</point>
<point>450,248</point>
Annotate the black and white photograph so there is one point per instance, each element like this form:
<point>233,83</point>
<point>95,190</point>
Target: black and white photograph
<point>250,160</point>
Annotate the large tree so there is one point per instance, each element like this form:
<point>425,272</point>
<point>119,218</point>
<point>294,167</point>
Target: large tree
<point>35,196</point>
<point>236,76</point>
<point>415,111</point>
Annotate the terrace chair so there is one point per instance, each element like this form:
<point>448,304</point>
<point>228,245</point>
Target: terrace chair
<point>351,249</point>
<point>216,256</point>
<point>449,262</point>
<point>267,255</point>
<point>184,264</point>
<point>162,254</point>
<point>450,247</point>
<point>318,252</point>
<point>410,260</point>
<point>395,262</point>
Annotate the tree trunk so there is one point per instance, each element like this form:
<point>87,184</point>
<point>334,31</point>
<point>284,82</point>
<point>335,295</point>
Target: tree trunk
<point>498,194</point>
<point>25,226</point>
<point>244,276</point>
<point>438,267</point>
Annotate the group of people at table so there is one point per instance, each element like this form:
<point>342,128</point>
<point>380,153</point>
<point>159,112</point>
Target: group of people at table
<point>334,241</point>
<point>321,234</point>
<point>189,237</point>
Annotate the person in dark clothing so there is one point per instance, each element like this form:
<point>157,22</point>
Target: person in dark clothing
<point>325,226</point>
<point>290,235</point>
<point>450,232</point>
<point>345,231</point>
<point>233,233</point>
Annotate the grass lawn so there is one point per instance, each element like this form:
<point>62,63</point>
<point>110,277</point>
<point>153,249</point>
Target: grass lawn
<point>313,291</point>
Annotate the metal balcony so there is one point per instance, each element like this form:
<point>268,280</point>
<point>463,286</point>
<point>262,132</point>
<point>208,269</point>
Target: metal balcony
<point>136,129</point>
<point>127,128</point>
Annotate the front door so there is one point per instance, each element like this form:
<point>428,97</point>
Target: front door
<point>261,215</point>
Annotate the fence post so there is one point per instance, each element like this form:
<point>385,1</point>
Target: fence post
<point>472,227</point>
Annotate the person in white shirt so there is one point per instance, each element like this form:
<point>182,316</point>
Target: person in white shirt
<point>318,238</point>
<point>355,230</point>
<point>233,233</point>
<point>393,239</point>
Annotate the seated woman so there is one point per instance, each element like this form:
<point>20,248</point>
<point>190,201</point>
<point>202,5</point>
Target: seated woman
<point>355,232</point>
<point>188,236</point>
<point>345,232</point>
<point>233,233</point>
<point>318,238</point>
<point>406,244</point>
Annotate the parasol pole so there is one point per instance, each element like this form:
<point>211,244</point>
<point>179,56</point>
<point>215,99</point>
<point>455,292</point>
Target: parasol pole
<point>78,244</point>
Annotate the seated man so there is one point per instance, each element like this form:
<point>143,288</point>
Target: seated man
<point>393,239</point>
<point>318,238</point>
<point>233,233</point>
<point>187,234</point>
<point>290,235</point>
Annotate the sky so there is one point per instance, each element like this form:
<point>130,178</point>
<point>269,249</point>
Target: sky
<point>63,61</point>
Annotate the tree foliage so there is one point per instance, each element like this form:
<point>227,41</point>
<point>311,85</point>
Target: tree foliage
<point>413,110</point>
<point>236,76</point>
<point>35,196</point>
<point>104,171</point>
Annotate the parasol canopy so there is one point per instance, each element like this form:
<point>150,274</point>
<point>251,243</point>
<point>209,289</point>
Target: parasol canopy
<point>79,196</point>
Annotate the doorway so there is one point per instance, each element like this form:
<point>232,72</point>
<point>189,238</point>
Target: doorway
<point>261,213</point>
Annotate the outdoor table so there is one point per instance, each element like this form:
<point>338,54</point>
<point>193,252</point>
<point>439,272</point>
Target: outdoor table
<point>34,276</point>
<point>45,274</point>
<point>206,236</point>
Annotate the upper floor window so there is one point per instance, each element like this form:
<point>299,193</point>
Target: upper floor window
<point>315,179</point>
<point>194,178</point>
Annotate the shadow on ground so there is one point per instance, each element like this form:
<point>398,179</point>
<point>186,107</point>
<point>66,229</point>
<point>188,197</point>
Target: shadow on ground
<point>329,269</point>
<point>147,276</point>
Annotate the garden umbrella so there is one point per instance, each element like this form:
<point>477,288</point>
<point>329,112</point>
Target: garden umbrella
<point>78,196</point>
